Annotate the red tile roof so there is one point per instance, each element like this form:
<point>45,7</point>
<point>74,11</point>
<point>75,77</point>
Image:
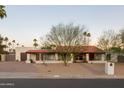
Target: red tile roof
<point>91,49</point>
<point>79,49</point>
<point>37,51</point>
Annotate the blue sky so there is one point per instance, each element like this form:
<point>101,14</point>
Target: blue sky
<point>24,23</point>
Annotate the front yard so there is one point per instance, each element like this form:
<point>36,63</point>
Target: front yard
<point>75,70</point>
<point>71,69</point>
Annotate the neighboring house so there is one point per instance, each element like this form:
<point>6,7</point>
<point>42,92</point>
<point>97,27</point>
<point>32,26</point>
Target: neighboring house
<point>117,57</point>
<point>18,55</point>
<point>89,54</point>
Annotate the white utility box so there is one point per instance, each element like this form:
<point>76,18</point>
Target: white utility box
<point>109,68</point>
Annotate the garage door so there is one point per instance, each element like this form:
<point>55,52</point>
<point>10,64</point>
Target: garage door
<point>10,57</point>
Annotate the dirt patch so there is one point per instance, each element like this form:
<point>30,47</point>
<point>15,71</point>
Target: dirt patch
<point>71,69</point>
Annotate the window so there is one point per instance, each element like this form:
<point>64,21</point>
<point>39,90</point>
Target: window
<point>62,56</point>
<point>98,57</point>
<point>37,57</point>
<point>79,57</point>
<point>49,57</point>
<point>41,56</point>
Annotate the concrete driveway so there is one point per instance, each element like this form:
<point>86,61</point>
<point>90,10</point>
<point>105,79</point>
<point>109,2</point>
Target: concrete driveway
<point>17,67</point>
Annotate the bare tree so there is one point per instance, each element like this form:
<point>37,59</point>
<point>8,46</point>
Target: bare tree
<point>109,39</point>
<point>110,42</point>
<point>122,37</point>
<point>66,35</point>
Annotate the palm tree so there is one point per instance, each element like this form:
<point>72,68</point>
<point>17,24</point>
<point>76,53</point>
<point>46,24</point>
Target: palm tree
<point>6,40</point>
<point>35,45</point>
<point>17,44</point>
<point>2,12</point>
<point>13,44</point>
<point>35,40</point>
<point>13,41</point>
<point>1,39</point>
<point>88,35</point>
<point>85,37</point>
<point>9,44</point>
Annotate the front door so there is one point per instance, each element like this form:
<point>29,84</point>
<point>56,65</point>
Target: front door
<point>23,56</point>
<point>91,56</point>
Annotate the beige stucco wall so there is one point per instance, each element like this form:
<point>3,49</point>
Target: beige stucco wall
<point>33,57</point>
<point>19,50</point>
<point>2,57</point>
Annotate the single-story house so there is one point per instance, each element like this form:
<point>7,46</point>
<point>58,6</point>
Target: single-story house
<point>89,54</point>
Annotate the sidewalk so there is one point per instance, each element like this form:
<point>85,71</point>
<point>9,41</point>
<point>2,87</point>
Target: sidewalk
<point>21,75</point>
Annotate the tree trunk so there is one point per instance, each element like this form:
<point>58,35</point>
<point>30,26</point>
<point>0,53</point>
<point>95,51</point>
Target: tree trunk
<point>65,59</point>
<point>65,63</point>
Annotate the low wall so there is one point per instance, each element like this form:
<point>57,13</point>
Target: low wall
<point>48,61</point>
<point>97,61</point>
